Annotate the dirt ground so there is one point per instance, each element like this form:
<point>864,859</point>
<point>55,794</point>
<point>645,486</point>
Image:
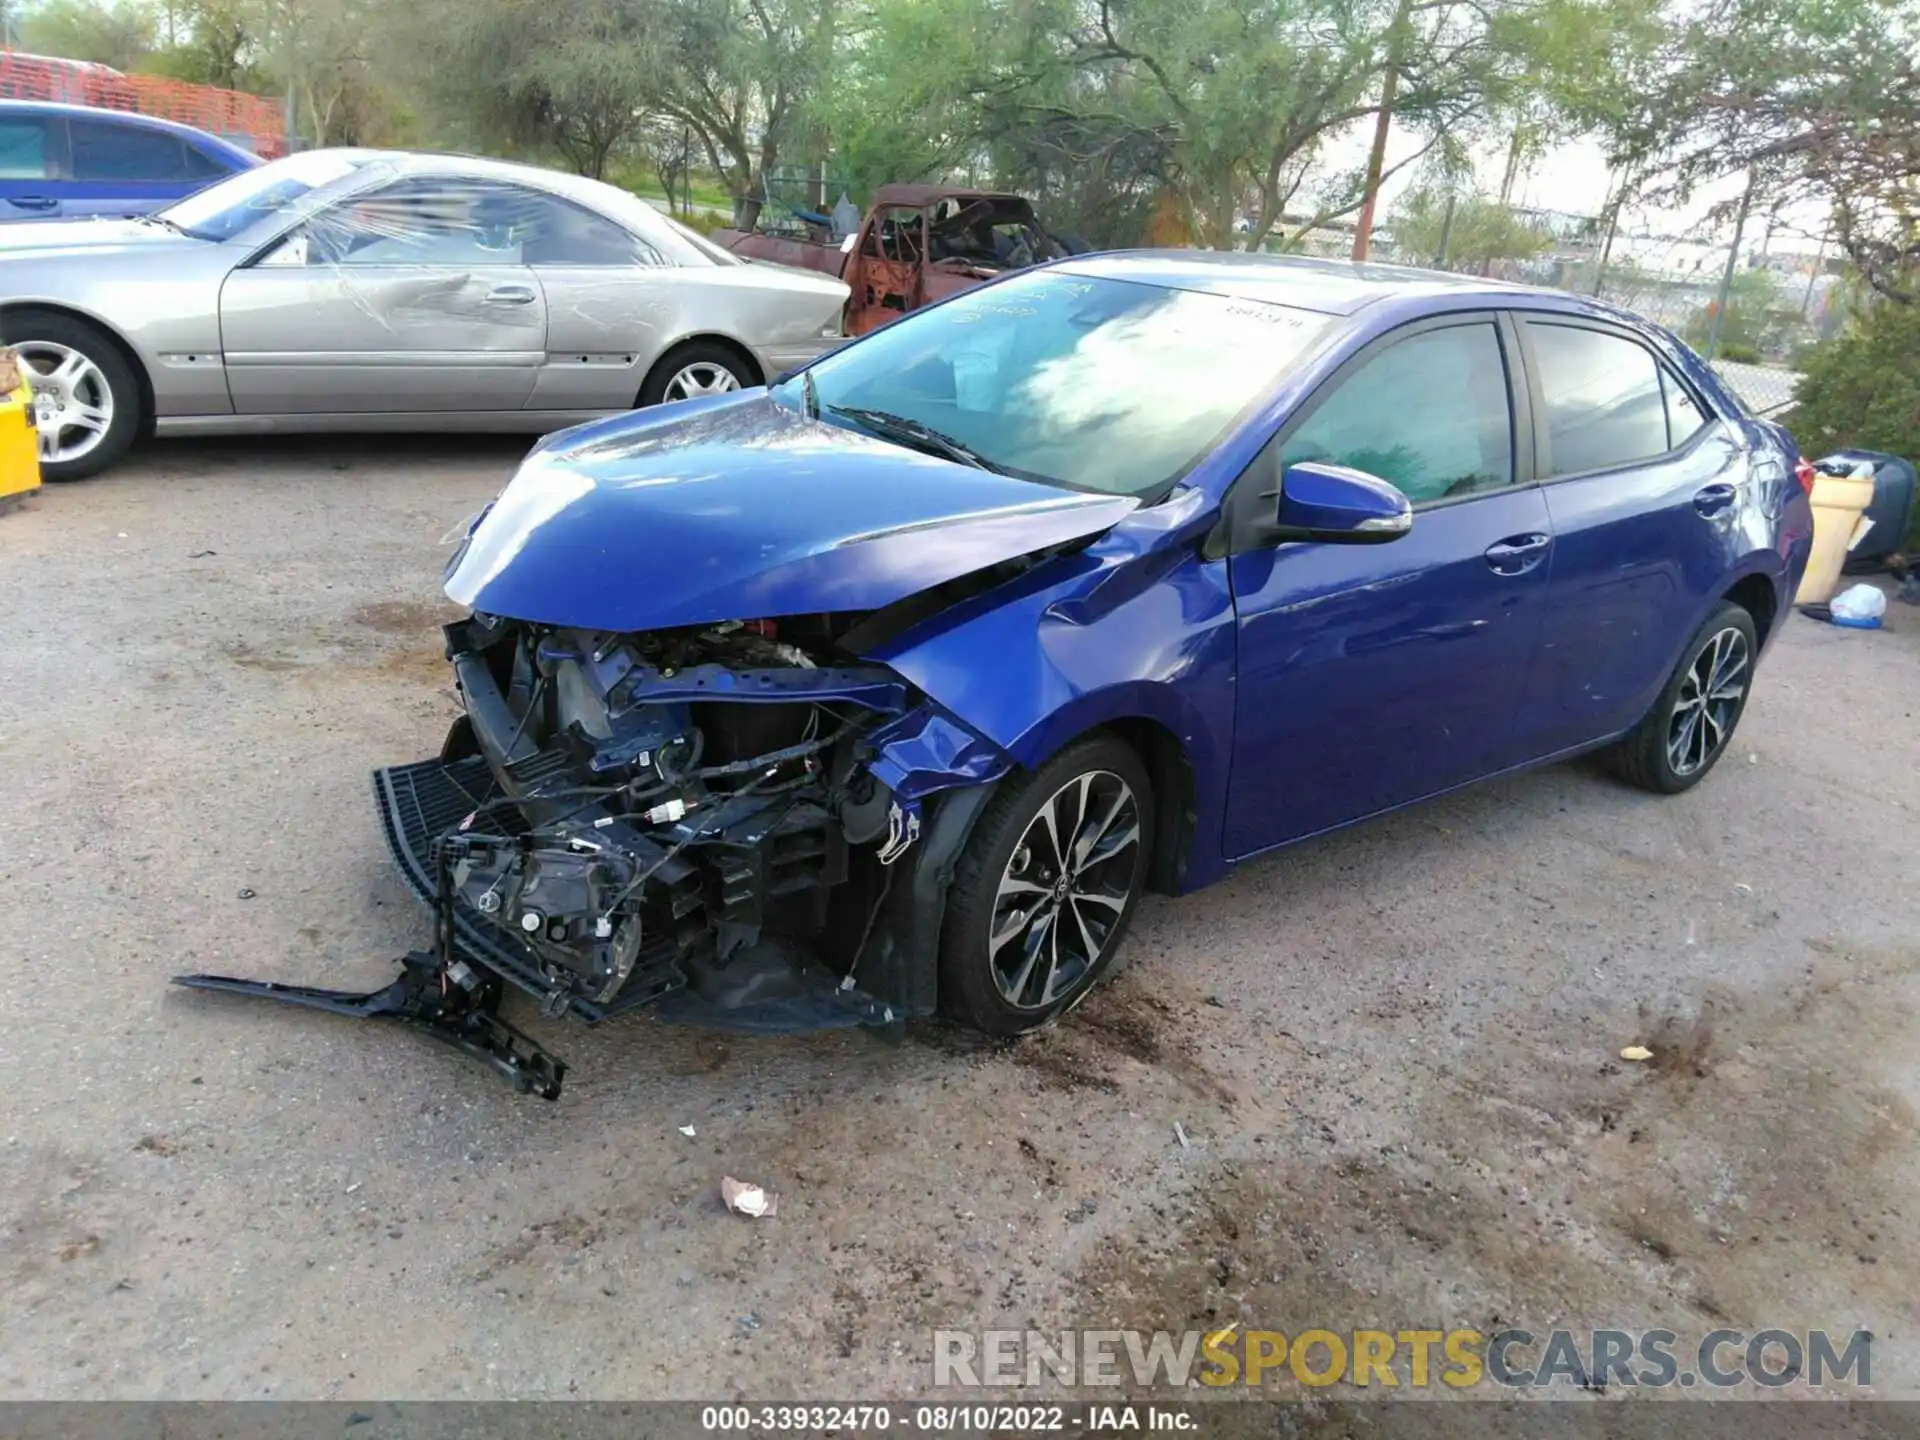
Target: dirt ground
<point>1392,1053</point>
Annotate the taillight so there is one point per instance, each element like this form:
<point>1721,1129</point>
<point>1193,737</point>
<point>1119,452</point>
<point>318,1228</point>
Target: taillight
<point>1805,474</point>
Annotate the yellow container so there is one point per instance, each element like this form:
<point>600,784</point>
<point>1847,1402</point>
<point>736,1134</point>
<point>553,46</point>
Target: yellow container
<point>1838,503</point>
<point>19,444</point>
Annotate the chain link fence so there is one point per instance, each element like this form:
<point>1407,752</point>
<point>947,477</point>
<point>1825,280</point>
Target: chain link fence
<point>1752,318</point>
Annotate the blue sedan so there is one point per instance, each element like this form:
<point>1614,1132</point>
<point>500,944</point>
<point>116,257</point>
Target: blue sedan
<point>72,161</point>
<point>891,687</point>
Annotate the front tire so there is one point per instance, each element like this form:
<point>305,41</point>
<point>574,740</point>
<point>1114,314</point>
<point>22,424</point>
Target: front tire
<point>86,401</point>
<point>1045,889</point>
<point>1692,723</point>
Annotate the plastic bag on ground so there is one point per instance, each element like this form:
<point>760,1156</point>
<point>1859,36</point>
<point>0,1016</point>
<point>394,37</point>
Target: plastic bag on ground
<point>1859,603</point>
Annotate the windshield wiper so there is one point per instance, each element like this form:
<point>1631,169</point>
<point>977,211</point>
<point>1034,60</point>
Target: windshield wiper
<point>924,438</point>
<point>161,221</point>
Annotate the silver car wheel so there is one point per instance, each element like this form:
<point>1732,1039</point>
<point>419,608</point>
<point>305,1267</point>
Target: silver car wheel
<point>1064,890</point>
<point>72,402</point>
<point>702,377</point>
<point>1708,702</point>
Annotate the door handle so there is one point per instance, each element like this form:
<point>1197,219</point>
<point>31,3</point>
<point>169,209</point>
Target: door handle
<point>510,295</point>
<point>1518,554</point>
<point>32,202</point>
<point>1713,499</point>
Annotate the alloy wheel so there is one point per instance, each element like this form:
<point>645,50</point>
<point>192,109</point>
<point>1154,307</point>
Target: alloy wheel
<point>72,402</point>
<point>1708,701</point>
<point>702,377</point>
<point>1064,890</point>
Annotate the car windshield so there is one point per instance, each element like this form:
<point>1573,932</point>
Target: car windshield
<point>1079,381</point>
<point>222,211</point>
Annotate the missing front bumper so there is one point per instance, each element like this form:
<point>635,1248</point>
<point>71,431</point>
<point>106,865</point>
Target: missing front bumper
<point>452,992</point>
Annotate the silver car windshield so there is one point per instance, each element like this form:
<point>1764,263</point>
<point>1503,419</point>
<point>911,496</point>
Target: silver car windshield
<point>1081,381</point>
<point>222,211</point>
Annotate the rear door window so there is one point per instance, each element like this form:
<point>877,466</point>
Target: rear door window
<point>1603,400</point>
<point>103,151</point>
<point>26,152</point>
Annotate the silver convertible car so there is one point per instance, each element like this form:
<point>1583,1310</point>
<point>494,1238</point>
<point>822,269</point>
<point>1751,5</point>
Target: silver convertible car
<point>376,290</point>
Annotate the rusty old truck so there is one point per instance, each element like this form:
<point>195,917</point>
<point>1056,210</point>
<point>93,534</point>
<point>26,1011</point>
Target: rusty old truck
<point>918,244</point>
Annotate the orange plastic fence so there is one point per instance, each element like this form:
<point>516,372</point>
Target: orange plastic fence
<point>244,118</point>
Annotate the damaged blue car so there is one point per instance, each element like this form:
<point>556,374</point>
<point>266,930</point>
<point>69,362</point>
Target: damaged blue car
<point>891,687</point>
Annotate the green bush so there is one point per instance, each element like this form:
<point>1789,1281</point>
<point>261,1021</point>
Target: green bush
<point>1739,354</point>
<point>1861,390</point>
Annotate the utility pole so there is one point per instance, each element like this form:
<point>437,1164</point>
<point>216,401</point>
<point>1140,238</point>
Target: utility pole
<point>1613,226</point>
<point>1446,231</point>
<point>1377,156</point>
<point>1819,259</point>
<point>1733,259</point>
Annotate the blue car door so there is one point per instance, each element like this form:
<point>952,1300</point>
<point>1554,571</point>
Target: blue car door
<point>29,167</point>
<point>1646,493</point>
<point>1371,675</point>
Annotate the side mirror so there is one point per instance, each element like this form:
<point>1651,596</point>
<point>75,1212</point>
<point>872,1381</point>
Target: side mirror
<point>1339,506</point>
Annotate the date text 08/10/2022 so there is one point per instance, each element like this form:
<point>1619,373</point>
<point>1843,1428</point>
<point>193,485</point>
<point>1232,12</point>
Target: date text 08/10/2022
<point>947,1419</point>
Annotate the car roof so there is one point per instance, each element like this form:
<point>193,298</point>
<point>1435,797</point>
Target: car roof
<point>133,119</point>
<point>622,206</point>
<point>453,162</point>
<point>1332,287</point>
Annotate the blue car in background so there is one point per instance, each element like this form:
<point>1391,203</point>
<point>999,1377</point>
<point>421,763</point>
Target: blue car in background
<point>891,687</point>
<point>65,161</point>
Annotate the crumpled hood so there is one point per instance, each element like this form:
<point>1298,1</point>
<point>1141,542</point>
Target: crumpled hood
<point>49,239</point>
<point>738,509</point>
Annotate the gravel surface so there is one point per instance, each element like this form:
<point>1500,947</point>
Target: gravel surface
<point>1392,1053</point>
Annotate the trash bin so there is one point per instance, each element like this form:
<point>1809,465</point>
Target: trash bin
<point>1838,503</point>
<point>19,445</point>
<point>1894,486</point>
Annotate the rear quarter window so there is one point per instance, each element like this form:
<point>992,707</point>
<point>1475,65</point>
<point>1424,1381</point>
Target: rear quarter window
<point>1604,402</point>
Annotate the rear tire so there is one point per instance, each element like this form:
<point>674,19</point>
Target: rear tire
<point>694,370</point>
<point>86,397</point>
<point>1026,937</point>
<point>1692,723</point>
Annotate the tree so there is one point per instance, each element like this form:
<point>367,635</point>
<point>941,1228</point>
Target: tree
<point>1472,231</point>
<point>208,42</point>
<point>1862,389</point>
<point>1753,322</point>
<point>120,35</point>
<point>567,78</point>
<point>739,75</point>
<point>1821,102</point>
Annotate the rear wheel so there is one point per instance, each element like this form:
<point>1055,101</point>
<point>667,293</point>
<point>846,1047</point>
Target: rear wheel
<point>86,402</point>
<point>1045,889</point>
<point>1691,724</point>
<point>688,372</point>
